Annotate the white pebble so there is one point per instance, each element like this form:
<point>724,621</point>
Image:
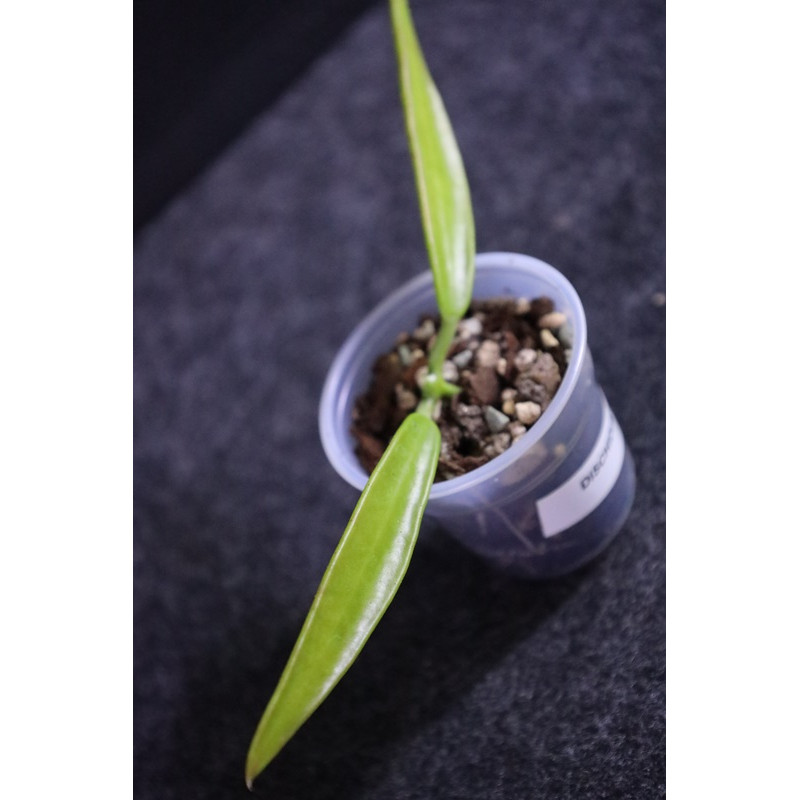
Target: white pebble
<point>462,359</point>
<point>406,400</point>
<point>554,320</point>
<point>488,354</point>
<point>450,371</point>
<point>464,410</point>
<point>517,429</point>
<point>501,366</point>
<point>471,326</point>
<point>405,355</point>
<point>498,444</point>
<point>528,412</point>
<point>548,339</point>
<point>524,358</point>
<point>425,331</point>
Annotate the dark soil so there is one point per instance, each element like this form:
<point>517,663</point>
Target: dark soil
<point>509,357</point>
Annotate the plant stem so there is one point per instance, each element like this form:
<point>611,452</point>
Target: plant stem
<point>435,385</point>
<point>426,406</point>
<point>444,339</point>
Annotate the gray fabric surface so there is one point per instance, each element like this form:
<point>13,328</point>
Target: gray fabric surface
<point>474,685</point>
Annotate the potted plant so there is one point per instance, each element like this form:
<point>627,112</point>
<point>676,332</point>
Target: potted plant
<point>547,502</point>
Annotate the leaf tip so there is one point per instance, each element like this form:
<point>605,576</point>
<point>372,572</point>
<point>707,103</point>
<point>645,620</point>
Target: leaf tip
<point>251,770</point>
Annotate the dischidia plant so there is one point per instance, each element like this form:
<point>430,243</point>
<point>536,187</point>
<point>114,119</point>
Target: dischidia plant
<point>373,554</point>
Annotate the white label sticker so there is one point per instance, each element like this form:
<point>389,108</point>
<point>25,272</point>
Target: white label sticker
<point>580,494</point>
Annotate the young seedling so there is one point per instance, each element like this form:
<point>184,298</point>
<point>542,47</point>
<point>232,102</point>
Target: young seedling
<point>373,554</point>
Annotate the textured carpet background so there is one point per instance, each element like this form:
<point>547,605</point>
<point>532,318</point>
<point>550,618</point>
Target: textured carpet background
<point>474,685</point>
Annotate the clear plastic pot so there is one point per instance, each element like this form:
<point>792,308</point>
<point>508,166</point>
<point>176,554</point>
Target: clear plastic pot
<point>560,493</point>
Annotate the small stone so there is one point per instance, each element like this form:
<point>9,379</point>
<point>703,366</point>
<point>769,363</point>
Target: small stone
<point>524,358</point>
<point>554,320</point>
<point>510,345</point>
<point>527,412</point>
<point>497,444</point>
<point>420,375</point>
<point>462,359</point>
<point>416,354</point>
<point>545,371</point>
<point>488,354</point>
<point>485,386</point>
<point>508,394</point>
<point>566,334</point>
<point>402,338</point>
<point>471,419</point>
<point>517,429</point>
<point>450,371</point>
<point>502,441</point>
<point>469,327</point>
<point>467,411</point>
<point>548,339</point>
<point>496,420</point>
<point>522,306</point>
<point>529,389</point>
<point>508,407</point>
<point>501,366</point>
<point>405,355</point>
<point>406,399</point>
<point>541,306</point>
<point>425,331</point>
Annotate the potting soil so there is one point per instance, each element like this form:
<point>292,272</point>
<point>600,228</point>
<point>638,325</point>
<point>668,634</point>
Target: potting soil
<point>509,356</point>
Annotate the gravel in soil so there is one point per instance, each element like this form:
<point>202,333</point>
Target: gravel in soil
<point>509,357</point>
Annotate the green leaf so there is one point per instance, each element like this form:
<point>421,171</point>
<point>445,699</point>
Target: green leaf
<point>359,583</point>
<point>442,185</point>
